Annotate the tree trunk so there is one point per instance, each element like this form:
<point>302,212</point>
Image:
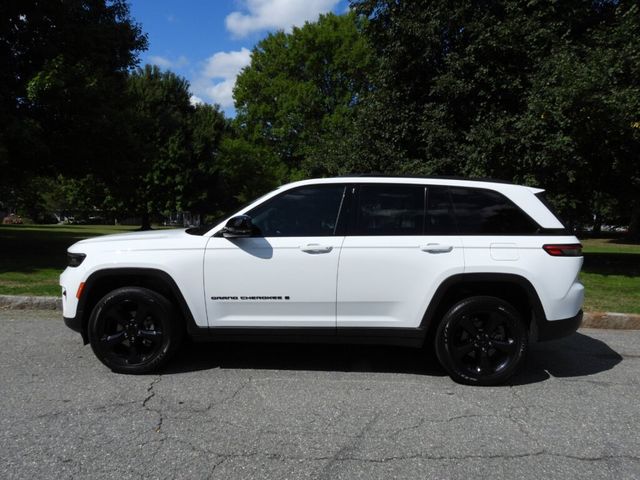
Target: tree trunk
<point>634,222</point>
<point>597,225</point>
<point>145,222</point>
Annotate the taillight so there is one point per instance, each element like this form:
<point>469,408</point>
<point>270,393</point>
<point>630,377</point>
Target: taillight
<point>570,250</point>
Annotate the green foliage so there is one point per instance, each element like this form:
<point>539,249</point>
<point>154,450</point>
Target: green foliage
<point>63,82</point>
<point>157,163</point>
<point>581,113</point>
<point>537,92</point>
<point>245,171</point>
<point>297,97</point>
<point>48,200</point>
<point>208,127</point>
<point>154,166</point>
<point>544,93</point>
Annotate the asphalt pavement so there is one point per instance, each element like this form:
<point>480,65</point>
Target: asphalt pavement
<point>229,411</point>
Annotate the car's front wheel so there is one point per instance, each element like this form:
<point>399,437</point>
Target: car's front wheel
<point>481,341</point>
<point>134,330</point>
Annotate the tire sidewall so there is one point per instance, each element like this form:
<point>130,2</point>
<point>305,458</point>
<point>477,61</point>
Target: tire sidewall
<point>163,309</point>
<point>449,324</point>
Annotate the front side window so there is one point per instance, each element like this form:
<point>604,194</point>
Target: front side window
<point>301,212</point>
<point>390,210</point>
<point>486,212</point>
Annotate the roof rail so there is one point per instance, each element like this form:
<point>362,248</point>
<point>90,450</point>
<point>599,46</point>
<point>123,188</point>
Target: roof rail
<point>441,177</point>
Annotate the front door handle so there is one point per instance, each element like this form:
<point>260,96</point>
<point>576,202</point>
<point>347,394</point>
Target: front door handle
<point>316,248</point>
<point>436,248</point>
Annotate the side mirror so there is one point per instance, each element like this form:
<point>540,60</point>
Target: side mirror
<point>238,226</point>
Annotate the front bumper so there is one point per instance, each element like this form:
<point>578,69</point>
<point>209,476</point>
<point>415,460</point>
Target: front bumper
<point>552,329</point>
<point>75,324</point>
<point>70,280</point>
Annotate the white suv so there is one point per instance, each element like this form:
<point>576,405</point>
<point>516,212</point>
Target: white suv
<point>474,269</point>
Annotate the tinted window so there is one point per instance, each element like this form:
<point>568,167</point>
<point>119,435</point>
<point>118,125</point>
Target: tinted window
<point>302,212</point>
<point>485,212</point>
<point>440,219</point>
<point>390,210</point>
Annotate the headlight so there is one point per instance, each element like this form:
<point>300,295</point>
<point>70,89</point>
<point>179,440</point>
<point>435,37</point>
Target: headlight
<point>75,259</point>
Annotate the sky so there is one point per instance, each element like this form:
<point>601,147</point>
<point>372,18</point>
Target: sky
<point>209,41</point>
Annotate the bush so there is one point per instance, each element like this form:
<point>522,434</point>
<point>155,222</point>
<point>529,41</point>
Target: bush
<point>12,219</point>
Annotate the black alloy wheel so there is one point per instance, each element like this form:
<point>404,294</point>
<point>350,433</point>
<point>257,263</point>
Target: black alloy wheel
<point>134,330</point>
<point>481,341</point>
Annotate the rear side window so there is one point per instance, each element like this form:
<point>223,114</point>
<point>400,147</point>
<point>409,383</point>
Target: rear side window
<point>485,212</point>
<point>541,196</point>
<point>440,219</point>
<point>390,210</point>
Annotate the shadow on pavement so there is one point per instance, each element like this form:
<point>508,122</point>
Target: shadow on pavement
<point>575,356</point>
<point>313,357</point>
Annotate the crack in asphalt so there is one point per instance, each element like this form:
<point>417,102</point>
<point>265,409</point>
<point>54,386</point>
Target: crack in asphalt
<point>356,440</point>
<point>521,423</point>
<point>97,408</point>
<point>151,394</point>
<point>58,420</point>
<point>503,456</point>
<point>214,466</point>
<point>352,445</point>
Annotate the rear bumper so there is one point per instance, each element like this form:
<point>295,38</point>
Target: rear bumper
<point>552,329</point>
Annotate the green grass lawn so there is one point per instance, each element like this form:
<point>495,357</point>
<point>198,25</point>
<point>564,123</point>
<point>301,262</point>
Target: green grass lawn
<point>611,276</point>
<point>32,257</point>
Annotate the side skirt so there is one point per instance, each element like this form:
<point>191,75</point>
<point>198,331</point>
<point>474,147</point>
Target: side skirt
<point>407,337</point>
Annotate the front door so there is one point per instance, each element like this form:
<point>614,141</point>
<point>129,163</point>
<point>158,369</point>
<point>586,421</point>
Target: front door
<point>284,275</point>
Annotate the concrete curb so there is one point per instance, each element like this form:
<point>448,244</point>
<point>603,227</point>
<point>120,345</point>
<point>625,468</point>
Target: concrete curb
<point>17,302</point>
<point>608,320</point>
<point>611,320</point>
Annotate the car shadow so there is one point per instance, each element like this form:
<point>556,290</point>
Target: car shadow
<point>574,356</point>
<point>577,355</point>
<point>258,247</point>
<point>310,357</point>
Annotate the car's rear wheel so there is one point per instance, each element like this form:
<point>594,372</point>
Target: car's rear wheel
<point>134,330</point>
<point>481,341</point>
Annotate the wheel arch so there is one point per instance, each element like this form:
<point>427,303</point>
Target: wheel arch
<point>101,282</point>
<point>512,288</point>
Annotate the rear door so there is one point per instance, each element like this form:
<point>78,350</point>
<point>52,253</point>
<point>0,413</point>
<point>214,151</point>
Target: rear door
<point>401,244</point>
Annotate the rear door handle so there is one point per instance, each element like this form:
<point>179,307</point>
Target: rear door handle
<point>436,248</point>
<point>316,248</point>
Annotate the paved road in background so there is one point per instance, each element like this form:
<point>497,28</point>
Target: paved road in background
<point>246,411</point>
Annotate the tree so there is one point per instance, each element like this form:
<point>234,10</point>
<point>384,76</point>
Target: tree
<point>208,127</point>
<point>537,92</point>
<point>175,158</point>
<point>64,73</point>
<point>150,171</point>
<point>582,114</point>
<point>299,92</point>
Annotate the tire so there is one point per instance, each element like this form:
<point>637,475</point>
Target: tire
<point>134,330</point>
<point>481,341</point>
